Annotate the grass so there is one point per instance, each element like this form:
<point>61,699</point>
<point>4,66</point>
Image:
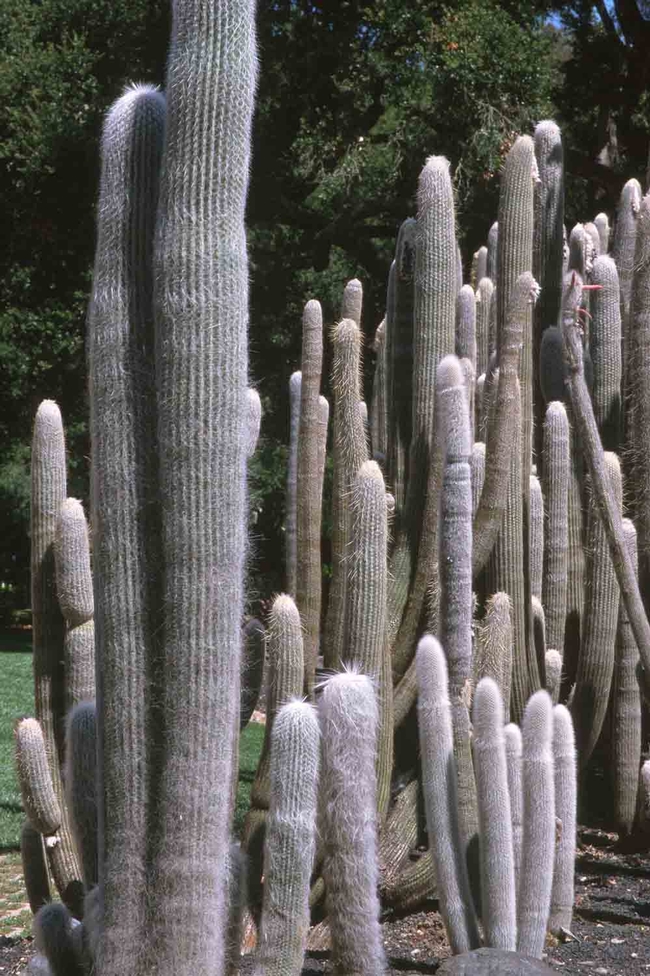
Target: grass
<point>17,699</point>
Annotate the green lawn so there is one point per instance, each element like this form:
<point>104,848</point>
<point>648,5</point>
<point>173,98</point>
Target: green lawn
<point>16,699</point>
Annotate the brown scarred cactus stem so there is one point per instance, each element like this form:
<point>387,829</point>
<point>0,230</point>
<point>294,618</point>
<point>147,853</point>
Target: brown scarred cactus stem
<point>349,717</point>
<point>366,644</point>
<point>536,555</point>
<point>398,836</point>
<point>638,393</point>
<point>596,661</point>
<point>75,591</point>
<point>290,844</point>
<point>557,463</point>
<point>285,670</point>
<point>626,712</point>
<point>538,844</point>
<point>514,258</point>
<point>502,427</point>
<point>605,349</point>
<point>456,577</point>
<point>295,395</point>
<point>483,305</point>
<point>566,794</point>
<point>350,452</point>
<point>127,547</point>
<point>310,489</point>
<point>439,787</point>
<point>498,895</point>
<point>493,647</point>
<point>609,510</point>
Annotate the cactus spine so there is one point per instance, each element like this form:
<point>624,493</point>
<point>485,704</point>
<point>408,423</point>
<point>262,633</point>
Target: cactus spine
<point>290,840</point>
<point>349,717</point>
<point>126,524</point>
<point>564,759</point>
<point>498,901</point>
<point>538,843</point>
<point>309,497</point>
<point>201,315</point>
<point>439,787</point>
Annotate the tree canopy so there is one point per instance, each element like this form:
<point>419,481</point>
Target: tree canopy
<point>352,98</point>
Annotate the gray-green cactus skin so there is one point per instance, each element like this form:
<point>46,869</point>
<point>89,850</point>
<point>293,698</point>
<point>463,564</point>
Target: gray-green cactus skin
<point>605,349</point>
<point>601,221</point>
<point>536,554</point>
<point>484,294</point>
<point>53,931</point>
<point>493,647</point>
<point>566,790</point>
<point>557,463</point>
<point>538,843</point>
<point>201,316</point>
<point>596,661</point>
<point>350,452</point>
<point>285,674</point>
<point>126,524</point>
<point>75,593</point>
<point>626,712</point>
<point>456,577</point>
<point>498,895</point>
<point>295,394</point>
<point>594,455</point>
<point>34,865</point>
<point>366,639</point>
<point>399,360</point>
<point>514,747</point>
<point>349,718</point>
<point>378,409</point>
<point>492,246</point>
<point>514,257</point>
<point>290,844</point>
<point>435,313</point>
<point>310,489</point>
<point>638,345</point>
<point>81,786</point>
<point>440,792</point>
<point>547,246</point>
<point>623,249</point>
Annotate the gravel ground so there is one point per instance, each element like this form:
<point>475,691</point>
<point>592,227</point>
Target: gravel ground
<point>610,934</point>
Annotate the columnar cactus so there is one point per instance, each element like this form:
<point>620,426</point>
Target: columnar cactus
<point>292,482</point>
<point>81,786</point>
<point>126,524</point>
<point>564,760</point>
<point>605,349</point>
<point>310,489</point>
<point>498,896</point>
<point>290,843</point>
<point>349,717</point>
<point>556,493</point>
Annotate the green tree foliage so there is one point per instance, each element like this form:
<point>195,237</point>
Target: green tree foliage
<point>352,98</point>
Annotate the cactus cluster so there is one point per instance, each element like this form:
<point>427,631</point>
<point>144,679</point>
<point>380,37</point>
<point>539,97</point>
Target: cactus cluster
<point>503,435</point>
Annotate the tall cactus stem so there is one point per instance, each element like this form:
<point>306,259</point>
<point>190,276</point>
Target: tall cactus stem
<point>566,790</point>
<point>292,482</point>
<point>557,463</point>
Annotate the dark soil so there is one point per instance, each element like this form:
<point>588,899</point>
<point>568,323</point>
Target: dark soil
<point>610,933</point>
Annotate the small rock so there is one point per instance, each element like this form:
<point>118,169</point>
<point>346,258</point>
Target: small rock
<point>492,962</point>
